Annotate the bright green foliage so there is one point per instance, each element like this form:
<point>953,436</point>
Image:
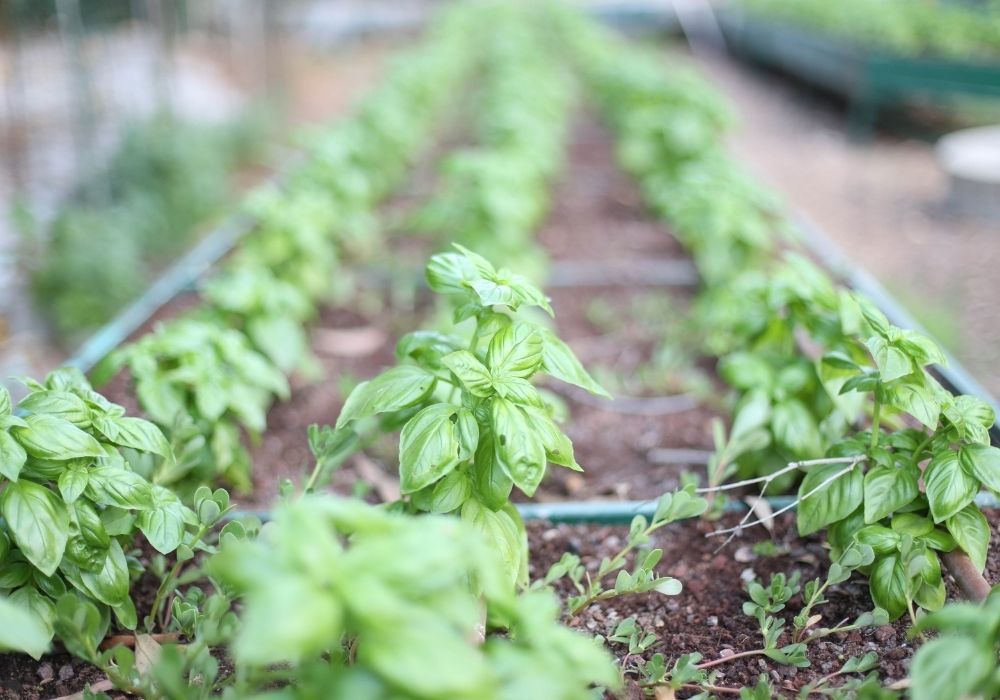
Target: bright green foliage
<point>473,425</point>
<point>212,374</point>
<point>362,603</point>
<point>73,506</point>
<point>590,587</point>
<point>495,194</point>
<point>809,362</point>
<point>270,312</point>
<point>961,661</point>
<point>949,30</point>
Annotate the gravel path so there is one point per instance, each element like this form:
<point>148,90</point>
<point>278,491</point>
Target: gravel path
<point>880,202</point>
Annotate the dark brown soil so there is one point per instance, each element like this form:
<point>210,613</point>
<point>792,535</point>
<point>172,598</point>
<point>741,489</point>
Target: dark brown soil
<point>707,616</point>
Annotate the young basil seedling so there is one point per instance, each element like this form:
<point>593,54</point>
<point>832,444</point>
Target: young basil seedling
<point>473,424</point>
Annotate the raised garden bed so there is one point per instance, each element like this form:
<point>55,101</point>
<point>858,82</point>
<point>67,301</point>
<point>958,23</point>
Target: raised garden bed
<point>869,79</point>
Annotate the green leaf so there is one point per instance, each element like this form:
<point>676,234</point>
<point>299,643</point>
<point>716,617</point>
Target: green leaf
<point>450,493</point>
<point>949,488</point>
<point>972,416</point>
<point>136,433</point>
<point>502,535</point>
<point>73,480</point>
<point>491,482</point>
<point>515,351</point>
<point>559,361</point>
<point>875,318</point>
<point>972,533</point>
<point>79,626</point>
<point>110,584</point>
<point>833,502</point>
<point>393,390</point>
<point>470,371</point>
<point>892,362</point>
<point>983,463</point>
<point>881,539</point>
<point>49,437</point>
<point>518,445</point>
<point>919,401</point>
<point>61,404</point>
<point>113,486</point>
<point>746,370</point>
<point>433,443</point>
<point>887,489</point>
<point>5,403</point>
<point>950,667</point>
<point>795,428</point>
<point>38,522</point>
<point>163,524</point>
<point>887,582</point>
<point>454,273</point>
<point>558,447</point>
<point>21,630</point>
<point>12,456</point>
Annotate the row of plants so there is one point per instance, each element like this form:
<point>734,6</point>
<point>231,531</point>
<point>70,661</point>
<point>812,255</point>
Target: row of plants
<point>494,194</point>
<point>337,598</point>
<point>826,392</point>
<point>81,479</point>
<point>210,375</point>
<point>953,30</point>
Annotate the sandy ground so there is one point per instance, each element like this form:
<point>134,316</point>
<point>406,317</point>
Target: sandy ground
<point>881,202</point>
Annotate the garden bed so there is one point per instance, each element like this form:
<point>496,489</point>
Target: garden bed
<point>868,79</point>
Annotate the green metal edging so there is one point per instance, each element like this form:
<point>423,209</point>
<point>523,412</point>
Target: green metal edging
<point>610,512</point>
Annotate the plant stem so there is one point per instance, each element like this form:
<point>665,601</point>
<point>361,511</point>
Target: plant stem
<point>727,659</point>
<point>875,420</point>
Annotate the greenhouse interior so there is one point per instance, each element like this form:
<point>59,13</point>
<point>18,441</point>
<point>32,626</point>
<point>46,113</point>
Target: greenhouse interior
<point>499,349</point>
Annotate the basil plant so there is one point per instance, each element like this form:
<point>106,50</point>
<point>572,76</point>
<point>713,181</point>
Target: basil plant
<point>73,507</point>
<point>473,424</point>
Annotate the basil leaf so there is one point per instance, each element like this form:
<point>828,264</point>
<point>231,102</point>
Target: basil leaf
<point>983,463</point>
<point>5,403</point>
<point>949,488</point>
<point>518,446</point>
<point>833,502</point>
<point>887,489</point>
<point>163,524</point>
<point>450,493</point>
<point>61,404</point>
<point>136,433</point>
<point>393,390</point>
<point>558,447</point>
<point>73,480</point>
<point>470,371</point>
<point>892,362</point>
<point>501,534</point>
<point>109,584</point>
<point>972,416</point>
<point>515,351</point>
<point>38,521</point>
<point>112,486</point>
<point>433,443</point>
<point>491,482</point>
<point>21,630</point>
<point>559,361</point>
<point>887,583</point>
<point>12,456</point>
<point>971,531</point>
<point>49,437</point>
<point>795,428</point>
<point>950,667</point>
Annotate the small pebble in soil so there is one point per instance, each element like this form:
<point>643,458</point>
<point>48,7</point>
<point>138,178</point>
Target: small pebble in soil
<point>66,672</point>
<point>45,672</point>
<point>744,554</point>
<point>748,575</point>
<point>885,633</point>
<point>712,620</point>
<point>726,653</point>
